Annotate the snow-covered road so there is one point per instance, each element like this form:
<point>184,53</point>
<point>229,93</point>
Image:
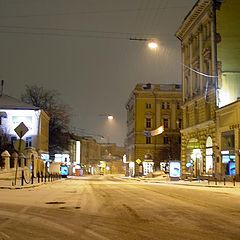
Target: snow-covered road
<point>107,208</point>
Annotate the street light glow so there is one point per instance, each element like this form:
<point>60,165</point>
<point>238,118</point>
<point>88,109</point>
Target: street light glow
<point>110,117</point>
<point>152,45</point>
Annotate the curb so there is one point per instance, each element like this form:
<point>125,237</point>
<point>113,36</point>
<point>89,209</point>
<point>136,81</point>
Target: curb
<point>178,183</point>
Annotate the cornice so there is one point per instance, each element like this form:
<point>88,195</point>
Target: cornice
<point>198,127</point>
<point>198,9</point>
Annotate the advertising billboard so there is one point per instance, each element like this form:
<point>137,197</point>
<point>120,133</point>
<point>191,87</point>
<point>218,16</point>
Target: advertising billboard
<point>174,169</point>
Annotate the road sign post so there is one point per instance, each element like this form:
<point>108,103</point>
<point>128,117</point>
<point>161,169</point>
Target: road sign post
<point>20,144</point>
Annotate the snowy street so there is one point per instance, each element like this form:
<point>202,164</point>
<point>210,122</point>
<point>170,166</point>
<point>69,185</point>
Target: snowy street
<point>101,207</point>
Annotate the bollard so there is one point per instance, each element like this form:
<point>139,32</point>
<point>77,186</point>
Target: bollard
<point>224,181</point>
<point>234,181</point>
<point>215,181</point>
<point>41,176</point>
<point>208,181</point>
<point>22,178</point>
<point>38,177</point>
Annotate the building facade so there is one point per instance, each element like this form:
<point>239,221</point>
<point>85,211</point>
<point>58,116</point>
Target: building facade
<point>228,138</point>
<point>149,107</point>
<point>210,80</point>
<point>12,113</point>
<point>34,149</point>
<point>91,157</point>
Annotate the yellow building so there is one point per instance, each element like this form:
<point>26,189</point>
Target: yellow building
<point>210,79</point>
<point>149,107</point>
<point>228,125</point>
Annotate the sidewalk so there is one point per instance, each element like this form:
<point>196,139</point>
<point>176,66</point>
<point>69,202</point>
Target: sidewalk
<point>197,183</point>
<point>9,183</point>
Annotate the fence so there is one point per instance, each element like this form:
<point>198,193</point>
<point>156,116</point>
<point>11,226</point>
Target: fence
<point>25,168</point>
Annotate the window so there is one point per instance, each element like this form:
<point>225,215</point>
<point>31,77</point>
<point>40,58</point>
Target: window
<point>165,140</point>
<point>179,123</point>
<point>148,123</point>
<point>148,105</point>
<point>165,123</point>
<point>28,141</point>
<point>13,140</point>
<point>178,105</point>
<point>148,140</point>
<point>168,105</point>
<point>163,105</point>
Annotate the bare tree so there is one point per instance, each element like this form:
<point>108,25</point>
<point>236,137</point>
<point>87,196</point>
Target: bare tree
<point>59,113</point>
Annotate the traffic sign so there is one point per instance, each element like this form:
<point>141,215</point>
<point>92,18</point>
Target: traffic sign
<point>138,161</point>
<point>21,129</point>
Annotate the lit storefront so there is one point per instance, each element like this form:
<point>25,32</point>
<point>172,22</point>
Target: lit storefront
<point>147,167</point>
<point>228,125</point>
<point>199,157</point>
<point>194,162</point>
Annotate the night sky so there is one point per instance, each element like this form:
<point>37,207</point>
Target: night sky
<point>81,49</point>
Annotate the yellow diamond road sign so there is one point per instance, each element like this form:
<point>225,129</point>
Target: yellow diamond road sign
<point>21,129</point>
<point>138,161</point>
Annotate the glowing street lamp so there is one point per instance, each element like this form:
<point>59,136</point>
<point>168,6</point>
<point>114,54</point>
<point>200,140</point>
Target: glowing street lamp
<point>152,45</point>
<point>110,117</point>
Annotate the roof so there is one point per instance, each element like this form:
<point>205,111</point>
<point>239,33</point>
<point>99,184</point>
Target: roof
<point>7,102</point>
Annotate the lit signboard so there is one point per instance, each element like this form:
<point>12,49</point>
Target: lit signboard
<point>174,169</point>
<point>155,132</point>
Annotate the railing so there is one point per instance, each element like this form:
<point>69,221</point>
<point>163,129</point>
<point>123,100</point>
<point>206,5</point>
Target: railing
<point>40,178</point>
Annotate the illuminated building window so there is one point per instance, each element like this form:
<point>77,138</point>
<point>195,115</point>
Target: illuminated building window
<point>148,123</point>
<point>148,105</point>
<point>165,123</point>
<point>148,140</point>
<point>28,141</point>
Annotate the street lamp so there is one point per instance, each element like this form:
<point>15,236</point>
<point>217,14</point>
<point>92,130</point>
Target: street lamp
<point>152,45</point>
<point>109,116</point>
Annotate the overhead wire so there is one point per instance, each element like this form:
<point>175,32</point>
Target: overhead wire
<point>85,12</point>
<point>73,30</point>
